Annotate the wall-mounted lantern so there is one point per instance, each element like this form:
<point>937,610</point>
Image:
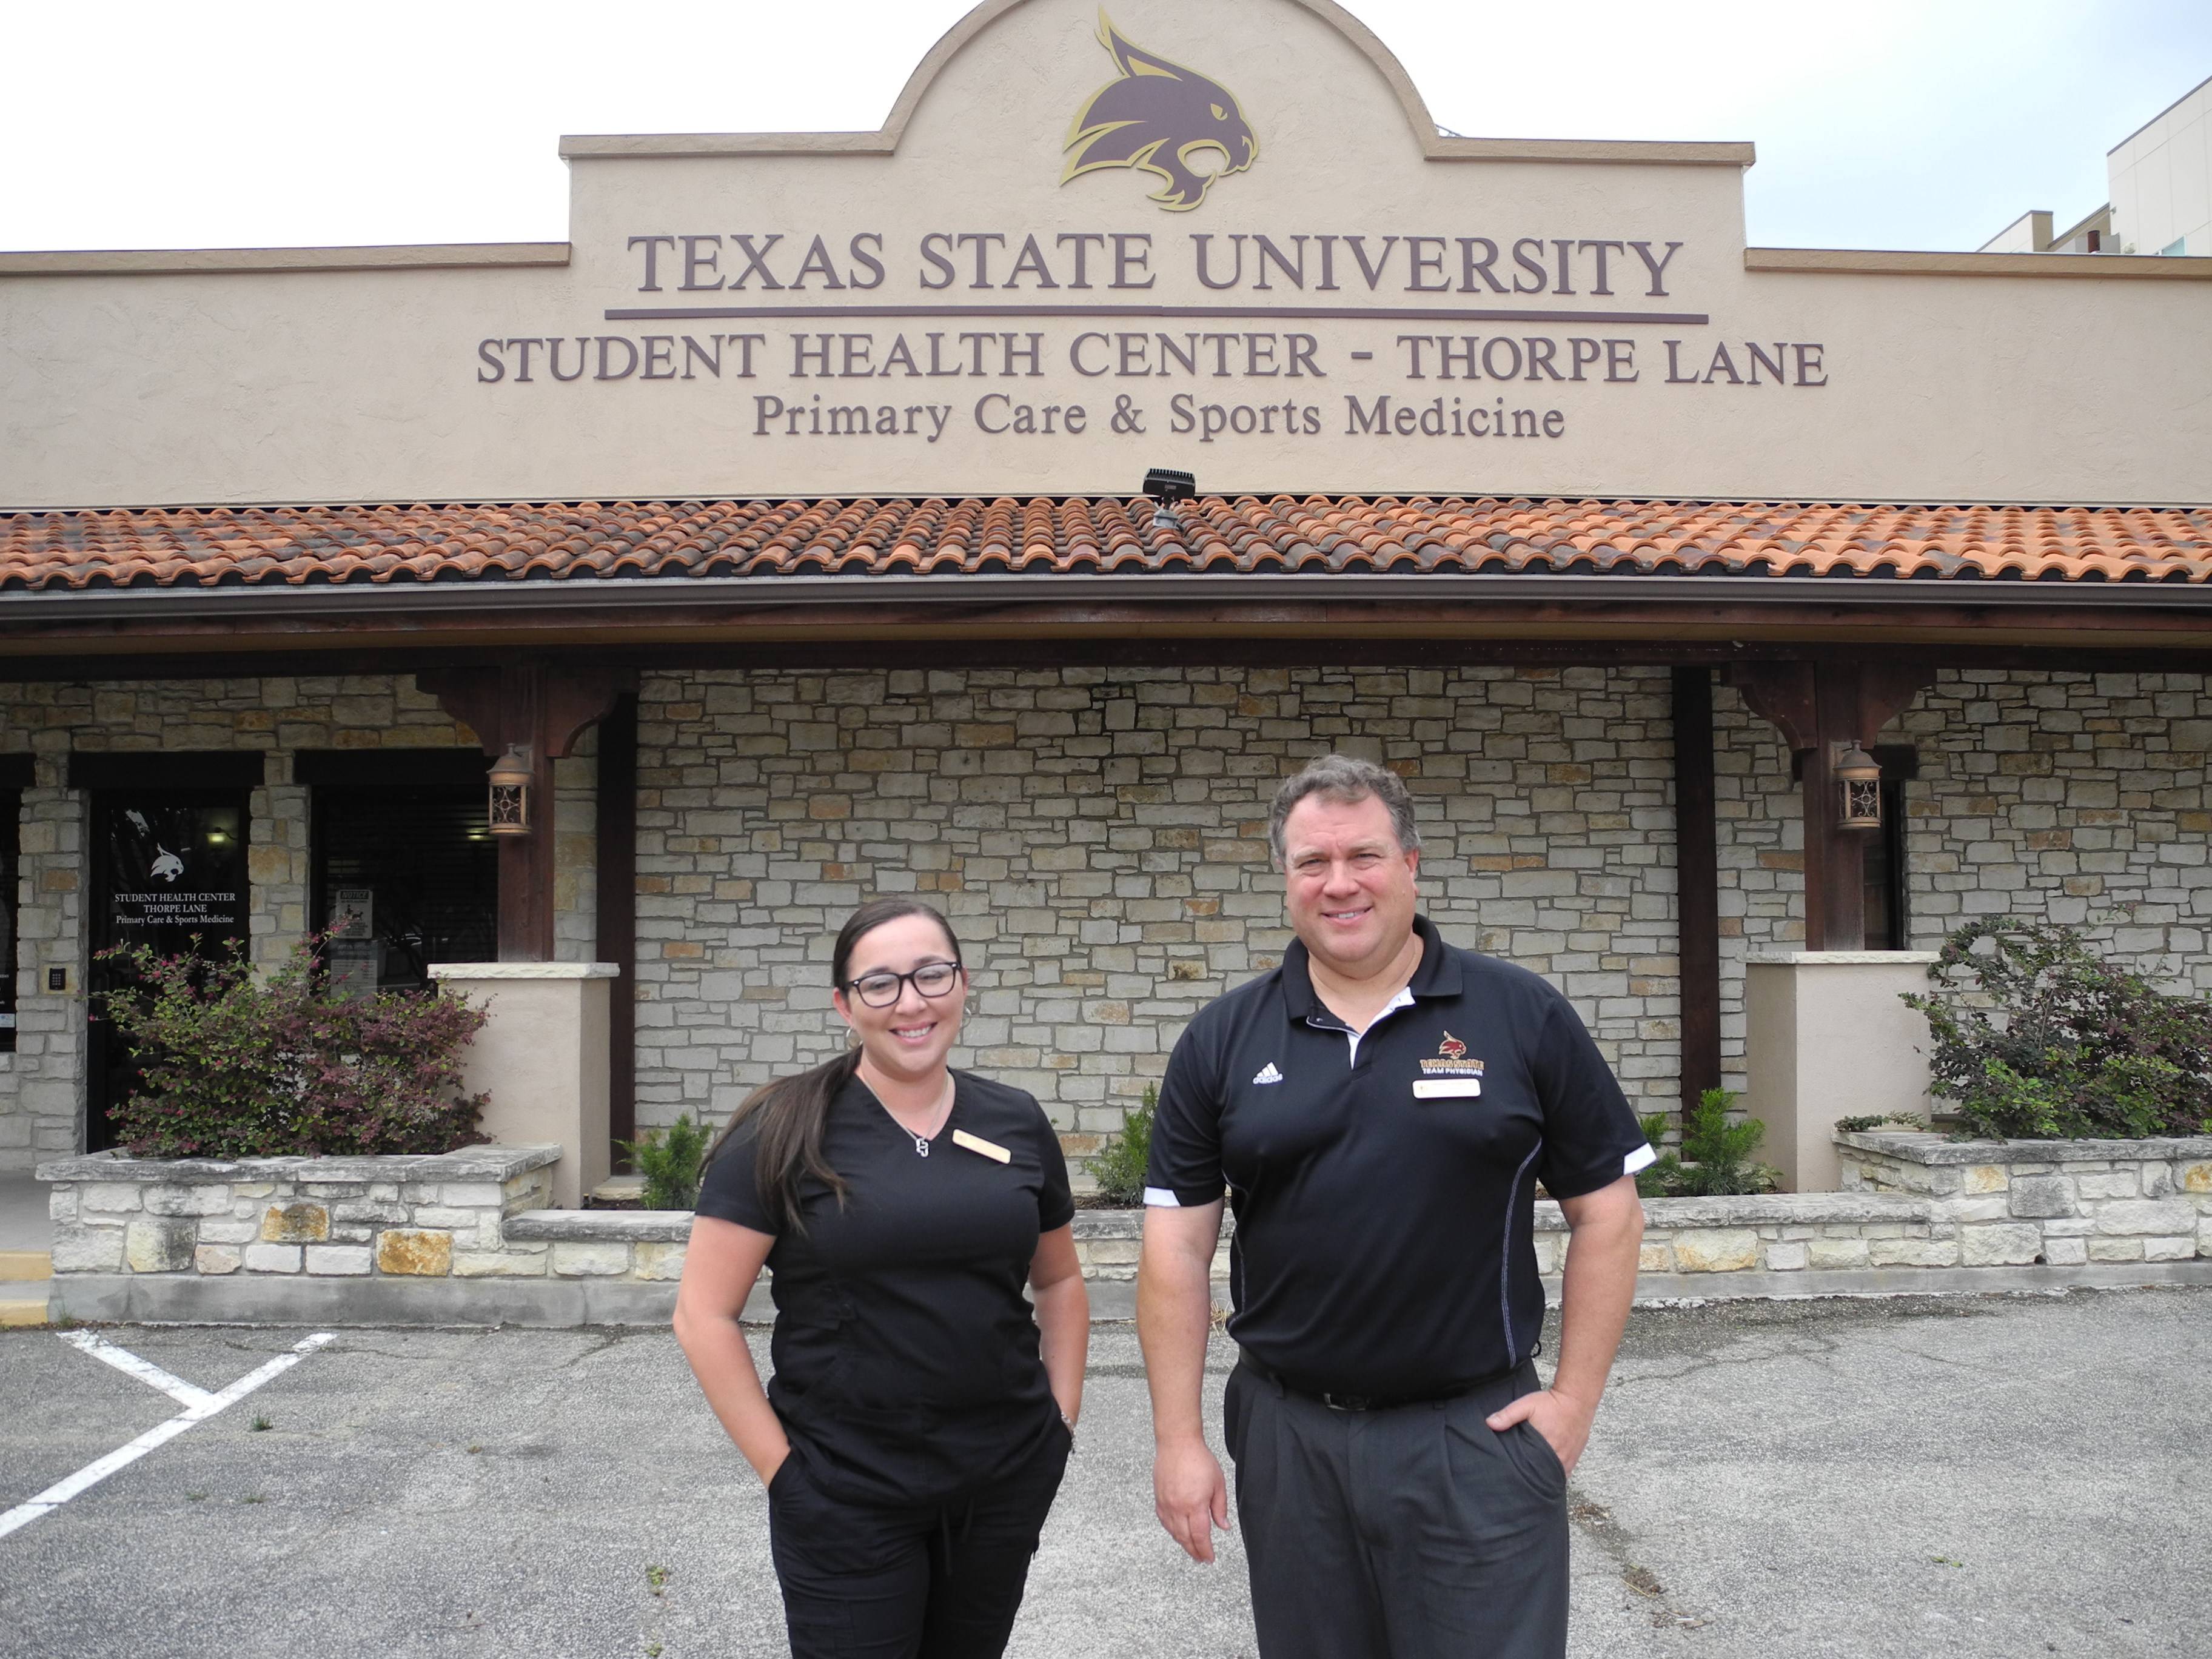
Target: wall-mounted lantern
<point>510,792</point>
<point>1858,780</point>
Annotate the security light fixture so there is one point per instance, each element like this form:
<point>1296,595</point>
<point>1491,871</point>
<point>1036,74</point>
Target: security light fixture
<point>1166,487</point>
<point>1858,779</point>
<point>510,792</point>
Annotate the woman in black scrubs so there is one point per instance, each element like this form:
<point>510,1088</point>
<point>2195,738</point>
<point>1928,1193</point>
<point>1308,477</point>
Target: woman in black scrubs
<point>919,1417</point>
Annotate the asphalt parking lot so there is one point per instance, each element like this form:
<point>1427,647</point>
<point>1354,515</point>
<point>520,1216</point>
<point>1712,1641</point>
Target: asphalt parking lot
<point>1990,1476</point>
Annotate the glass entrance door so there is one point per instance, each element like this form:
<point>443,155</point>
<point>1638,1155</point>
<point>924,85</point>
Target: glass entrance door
<point>168,873</point>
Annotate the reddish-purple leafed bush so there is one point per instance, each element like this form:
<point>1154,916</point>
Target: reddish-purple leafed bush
<point>233,1066</point>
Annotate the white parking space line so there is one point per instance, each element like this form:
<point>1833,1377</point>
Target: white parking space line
<point>183,1393</point>
<point>207,1405</point>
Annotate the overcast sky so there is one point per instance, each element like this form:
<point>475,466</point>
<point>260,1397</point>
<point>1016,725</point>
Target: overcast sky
<point>1913,124</point>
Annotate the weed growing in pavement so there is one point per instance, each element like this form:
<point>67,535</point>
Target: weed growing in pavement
<point>656,1579</point>
<point>262,1424</point>
<point>253,1498</point>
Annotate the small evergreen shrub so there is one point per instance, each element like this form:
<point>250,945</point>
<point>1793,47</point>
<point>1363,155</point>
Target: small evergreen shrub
<point>672,1161</point>
<point>1715,1159</point>
<point>233,1066</point>
<point>2037,1037</point>
<point>1119,1166</point>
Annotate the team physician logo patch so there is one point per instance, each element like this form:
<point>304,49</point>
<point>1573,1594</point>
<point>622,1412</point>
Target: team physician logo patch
<point>1452,1059</point>
<point>1267,1074</point>
<point>1158,117</point>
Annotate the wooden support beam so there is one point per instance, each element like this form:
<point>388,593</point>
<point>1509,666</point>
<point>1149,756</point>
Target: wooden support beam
<point>1818,706</point>
<point>1697,877</point>
<point>541,708</point>
<point>618,912</point>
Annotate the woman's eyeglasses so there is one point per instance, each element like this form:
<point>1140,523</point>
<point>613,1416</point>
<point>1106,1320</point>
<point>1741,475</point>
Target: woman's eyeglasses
<point>931,979</point>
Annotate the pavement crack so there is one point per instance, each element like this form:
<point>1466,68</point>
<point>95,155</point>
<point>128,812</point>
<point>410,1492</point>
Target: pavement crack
<point>1605,1532</point>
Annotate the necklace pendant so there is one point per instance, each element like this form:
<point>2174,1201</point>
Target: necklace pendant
<point>921,1146</point>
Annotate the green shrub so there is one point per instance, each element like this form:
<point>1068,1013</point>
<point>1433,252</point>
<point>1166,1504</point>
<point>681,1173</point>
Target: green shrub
<point>671,1160</point>
<point>233,1066</point>
<point>1656,1179</point>
<point>2039,1038</point>
<point>1716,1156</point>
<point>1119,1166</point>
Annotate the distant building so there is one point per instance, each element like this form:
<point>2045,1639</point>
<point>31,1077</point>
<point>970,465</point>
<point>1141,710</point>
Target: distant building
<point>2159,183</point>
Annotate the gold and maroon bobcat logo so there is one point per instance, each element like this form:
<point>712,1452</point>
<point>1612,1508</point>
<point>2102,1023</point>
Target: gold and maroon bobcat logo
<point>1156,117</point>
<point>1452,1059</point>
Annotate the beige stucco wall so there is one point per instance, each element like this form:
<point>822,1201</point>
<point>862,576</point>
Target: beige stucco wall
<point>1829,1038</point>
<point>374,386</point>
<point>542,1057</point>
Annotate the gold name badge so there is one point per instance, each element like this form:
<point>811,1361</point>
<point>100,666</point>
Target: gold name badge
<point>978,1144</point>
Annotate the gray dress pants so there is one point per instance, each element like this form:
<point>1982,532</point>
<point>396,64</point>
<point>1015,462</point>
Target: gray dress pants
<point>1416,1532</point>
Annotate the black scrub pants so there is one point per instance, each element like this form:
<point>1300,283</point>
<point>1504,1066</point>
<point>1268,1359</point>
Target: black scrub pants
<point>931,1582</point>
<point>1416,1532</point>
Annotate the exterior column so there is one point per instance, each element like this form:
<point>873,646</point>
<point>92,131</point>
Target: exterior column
<point>543,708</point>
<point>617,930</point>
<point>1819,707</point>
<point>542,1057</point>
<point>1829,1036</point>
<point>1697,879</point>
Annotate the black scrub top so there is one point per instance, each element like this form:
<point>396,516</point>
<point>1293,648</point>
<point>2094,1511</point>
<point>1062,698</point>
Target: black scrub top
<point>906,1355</point>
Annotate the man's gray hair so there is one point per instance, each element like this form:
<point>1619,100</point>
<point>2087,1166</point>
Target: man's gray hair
<point>1345,779</point>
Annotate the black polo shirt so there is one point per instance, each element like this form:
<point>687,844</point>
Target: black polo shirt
<point>907,1363</point>
<point>1384,1190</point>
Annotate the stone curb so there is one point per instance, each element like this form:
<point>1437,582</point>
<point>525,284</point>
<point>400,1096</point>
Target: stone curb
<point>469,1163</point>
<point>1660,1289</point>
<point>158,1300</point>
<point>1928,1147</point>
<point>602,1226</point>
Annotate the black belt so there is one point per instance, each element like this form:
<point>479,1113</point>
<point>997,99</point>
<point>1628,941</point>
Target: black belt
<point>1337,1401</point>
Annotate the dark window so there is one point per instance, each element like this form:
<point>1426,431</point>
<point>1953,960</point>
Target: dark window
<point>11,814</point>
<point>405,875</point>
<point>1887,924</point>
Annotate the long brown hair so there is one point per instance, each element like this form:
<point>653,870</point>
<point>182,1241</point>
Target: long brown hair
<point>790,1112</point>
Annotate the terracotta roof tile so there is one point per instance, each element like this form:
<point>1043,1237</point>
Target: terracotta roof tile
<point>397,546</point>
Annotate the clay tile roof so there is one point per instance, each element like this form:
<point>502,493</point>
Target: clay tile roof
<point>397,547</point>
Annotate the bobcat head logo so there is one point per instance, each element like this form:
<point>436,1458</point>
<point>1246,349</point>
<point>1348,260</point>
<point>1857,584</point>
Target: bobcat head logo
<point>167,867</point>
<point>1157,116</point>
<point>1451,1048</point>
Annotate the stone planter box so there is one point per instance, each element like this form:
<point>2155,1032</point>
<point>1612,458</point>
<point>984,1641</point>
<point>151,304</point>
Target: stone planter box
<point>398,1240</point>
<point>467,1238</point>
<point>2057,1203</point>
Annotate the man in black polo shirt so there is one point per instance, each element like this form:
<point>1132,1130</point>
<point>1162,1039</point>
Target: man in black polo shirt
<point>1380,1109</point>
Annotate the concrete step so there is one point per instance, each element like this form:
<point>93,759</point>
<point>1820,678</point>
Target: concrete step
<point>22,1302</point>
<point>26,1264</point>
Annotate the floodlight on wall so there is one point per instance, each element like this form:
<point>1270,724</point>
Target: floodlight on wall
<point>511,780</point>
<point>1858,782</point>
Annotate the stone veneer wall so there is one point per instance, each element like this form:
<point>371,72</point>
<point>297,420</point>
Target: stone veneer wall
<point>42,1083</point>
<point>2066,1203</point>
<point>403,1217</point>
<point>2066,797</point>
<point>1099,838</point>
<point>2069,798</point>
